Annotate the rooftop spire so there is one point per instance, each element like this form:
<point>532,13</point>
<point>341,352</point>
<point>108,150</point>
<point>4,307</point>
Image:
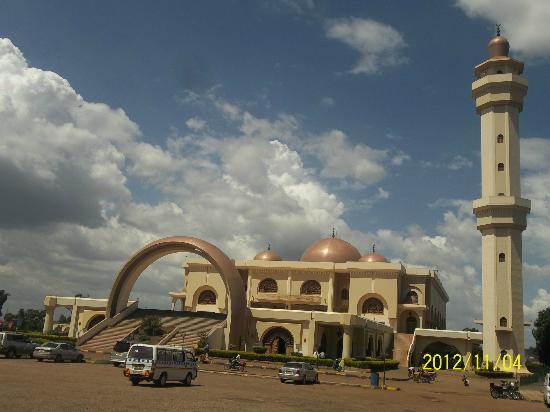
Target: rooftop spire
<point>374,248</point>
<point>333,232</point>
<point>498,29</point>
<point>268,246</point>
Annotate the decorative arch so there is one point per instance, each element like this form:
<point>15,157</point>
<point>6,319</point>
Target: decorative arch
<point>268,285</point>
<point>94,321</point>
<point>207,297</point>
<point>373,305</point>
<point>310,287</point>
<point>368,296</point>
<point>237,313</point>
<point>412,297</point>
<point>503,322</point>
<point>278,340</point>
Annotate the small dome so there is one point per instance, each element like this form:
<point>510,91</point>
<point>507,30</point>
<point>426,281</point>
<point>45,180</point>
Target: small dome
<point>499,46</point>
<point>268,254</point>
<point>331,250</point>
<point>373,257</point>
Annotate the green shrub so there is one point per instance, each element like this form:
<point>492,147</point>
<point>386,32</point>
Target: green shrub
<point>38,337</point>
<point>259,349</point>
<point>375,365</point>
<point>297,354</point>
<point>494,374</point>
<point>151,325</point>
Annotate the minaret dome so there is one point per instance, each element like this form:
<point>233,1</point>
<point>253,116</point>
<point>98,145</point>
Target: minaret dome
<point>498,46</point>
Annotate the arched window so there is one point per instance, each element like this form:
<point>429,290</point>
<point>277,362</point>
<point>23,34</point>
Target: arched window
<point>500,138</point>
<point>267,286</point>
<point>310,287</point>
<point>373,305</point>
<point>412,297</point>
<point>344,295</point>
<point>207,297</point>
<point>500,167</point>
<point>501,257</point>
<point>503,322</point>
<point>499,71</point>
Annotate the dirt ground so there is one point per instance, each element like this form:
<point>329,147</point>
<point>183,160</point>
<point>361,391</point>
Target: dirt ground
<point>27,385</point>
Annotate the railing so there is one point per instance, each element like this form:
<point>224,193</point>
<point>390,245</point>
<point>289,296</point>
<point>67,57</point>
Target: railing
<point>276,298</point>
<point>105,323</point>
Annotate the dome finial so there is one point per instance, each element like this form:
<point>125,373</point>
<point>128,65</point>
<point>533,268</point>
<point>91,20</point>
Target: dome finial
<point>374,248</point>
<point>498,29</point>
<point>268,246</point>
<point>333,233</point>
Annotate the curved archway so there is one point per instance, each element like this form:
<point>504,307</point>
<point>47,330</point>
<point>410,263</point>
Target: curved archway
<point>363,299</point>
<point>94,321</point>
<point>278,340</point>
<point>237,314</point>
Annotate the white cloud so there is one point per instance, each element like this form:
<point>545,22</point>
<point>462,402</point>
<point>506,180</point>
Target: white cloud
<point>540,301</point>
<point>327,101</point>
<point>524,23</point>
<point>340,159</point>
<point>195,123</point>
<point>459,162</point>
<point>379,45</point>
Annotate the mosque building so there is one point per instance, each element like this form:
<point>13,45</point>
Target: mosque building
<point>332,300</point>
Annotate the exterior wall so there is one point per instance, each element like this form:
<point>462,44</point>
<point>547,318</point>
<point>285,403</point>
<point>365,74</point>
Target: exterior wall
<point>200,279</point>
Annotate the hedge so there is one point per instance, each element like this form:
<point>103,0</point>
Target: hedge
<point>370,363</point>
<point>42,337</point>
<point>494,374</point>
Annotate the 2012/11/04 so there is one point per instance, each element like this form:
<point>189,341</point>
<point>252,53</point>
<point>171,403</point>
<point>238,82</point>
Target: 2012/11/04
<point>459,362</point>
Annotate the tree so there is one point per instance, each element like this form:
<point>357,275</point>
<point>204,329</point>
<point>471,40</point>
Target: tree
<point>541,332</point>
<point>30,319</point>
<point>3,298</point>
<point>151,325</point>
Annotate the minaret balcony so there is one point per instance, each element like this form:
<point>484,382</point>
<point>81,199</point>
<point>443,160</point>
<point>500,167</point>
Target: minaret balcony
<point>499,89</point>
<point>501,211</point>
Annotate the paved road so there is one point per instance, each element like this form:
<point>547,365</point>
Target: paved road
<point>26,385</point>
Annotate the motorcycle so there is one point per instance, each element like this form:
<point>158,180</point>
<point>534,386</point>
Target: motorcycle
<point>235,365</point>
<point>506,390</point>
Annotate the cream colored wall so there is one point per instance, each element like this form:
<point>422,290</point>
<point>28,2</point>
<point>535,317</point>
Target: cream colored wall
<point>298,278</point>
<point>199,280</point>
<point>279,277</point>
<point>259,329</point>
<point>364,286</point>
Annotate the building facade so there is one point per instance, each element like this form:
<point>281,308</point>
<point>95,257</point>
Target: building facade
<point>332,300</point>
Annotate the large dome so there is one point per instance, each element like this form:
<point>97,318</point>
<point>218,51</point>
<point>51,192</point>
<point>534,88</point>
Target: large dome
<point>331,250</point>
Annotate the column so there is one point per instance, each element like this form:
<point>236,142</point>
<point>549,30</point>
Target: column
<point>346,341</point>
<point>330,297</point>
<point>289,289</point>
<point>248,288</point>
<point>48,320</point>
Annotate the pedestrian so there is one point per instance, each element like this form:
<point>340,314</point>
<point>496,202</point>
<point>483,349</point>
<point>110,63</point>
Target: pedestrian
<point>206,351</point>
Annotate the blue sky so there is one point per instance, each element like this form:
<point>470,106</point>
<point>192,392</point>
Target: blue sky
<point>361,112</point>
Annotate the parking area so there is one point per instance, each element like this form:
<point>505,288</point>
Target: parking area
<point>27,385</point>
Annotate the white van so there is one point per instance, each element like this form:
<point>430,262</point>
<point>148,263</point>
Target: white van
<point>160,364</point>
<point>547,390</point>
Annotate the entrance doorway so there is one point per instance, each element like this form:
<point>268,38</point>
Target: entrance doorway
<point>278,340</point>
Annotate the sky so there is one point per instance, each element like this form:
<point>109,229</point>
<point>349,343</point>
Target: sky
<point>248,122</point>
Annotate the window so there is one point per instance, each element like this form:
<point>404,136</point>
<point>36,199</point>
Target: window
<point>500,138</point>
<point>503,322</point>
<point>310,287</point>
<point>500,167</point>
<point>373,305</point>
<point>207,297</point>
<point>499,71</point>
<point>267,286</point>
<point>344,295</point>
<point>412,297</point>
<point>501,257</point>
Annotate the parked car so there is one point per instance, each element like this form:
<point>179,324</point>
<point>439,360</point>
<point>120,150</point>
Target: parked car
<point>298,372</point>
<point>58,352</point>
<point>14,345</point>
<point>120,352</point>
<point>546,390</point>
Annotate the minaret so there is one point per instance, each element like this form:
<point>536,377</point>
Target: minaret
<point>501,211</point>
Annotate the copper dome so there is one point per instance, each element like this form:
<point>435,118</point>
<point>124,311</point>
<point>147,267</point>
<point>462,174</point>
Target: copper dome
<point>331,249</point>
<point>373,257</point>
<point>268,255</point>
<point>498,46</point>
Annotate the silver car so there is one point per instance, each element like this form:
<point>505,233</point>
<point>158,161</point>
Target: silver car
<point>58,352</point>
<point>298,372</point>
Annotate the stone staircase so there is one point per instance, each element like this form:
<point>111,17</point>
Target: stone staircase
<point>401,345</point>
<point>188,324</point>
